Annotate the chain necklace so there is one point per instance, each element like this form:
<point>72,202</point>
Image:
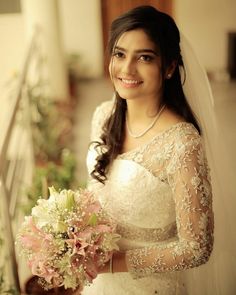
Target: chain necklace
<point>147,129</point>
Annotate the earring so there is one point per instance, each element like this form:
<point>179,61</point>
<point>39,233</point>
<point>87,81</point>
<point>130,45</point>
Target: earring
<point>169,76</point>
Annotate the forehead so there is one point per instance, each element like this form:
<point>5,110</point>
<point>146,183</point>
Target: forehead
<point>134,40</point>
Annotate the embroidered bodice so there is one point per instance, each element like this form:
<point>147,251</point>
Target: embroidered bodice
<point>160,196</point>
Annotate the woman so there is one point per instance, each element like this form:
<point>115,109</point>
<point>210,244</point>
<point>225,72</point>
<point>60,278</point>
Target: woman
<point>148,164</point>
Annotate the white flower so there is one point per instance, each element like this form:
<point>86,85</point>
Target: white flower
<point>43,213</point>
<point>110,241</point>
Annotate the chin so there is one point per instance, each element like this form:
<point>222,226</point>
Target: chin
<point>128,97</point>
<point>127,94</point>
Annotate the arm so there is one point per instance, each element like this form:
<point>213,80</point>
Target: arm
<point>188,178</point>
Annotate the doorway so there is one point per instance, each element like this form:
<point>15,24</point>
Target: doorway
<point>113,8</point>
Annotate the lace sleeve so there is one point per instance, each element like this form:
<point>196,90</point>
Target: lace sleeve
<point>189,180</point>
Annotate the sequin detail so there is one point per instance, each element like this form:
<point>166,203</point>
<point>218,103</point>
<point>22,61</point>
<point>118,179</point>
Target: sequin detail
<point>147,234</point>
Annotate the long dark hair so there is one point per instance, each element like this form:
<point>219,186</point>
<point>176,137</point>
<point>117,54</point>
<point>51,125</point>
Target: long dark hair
<point>163,32</point>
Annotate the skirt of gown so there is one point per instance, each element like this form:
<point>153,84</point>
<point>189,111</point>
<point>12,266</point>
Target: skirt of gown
<point>124,284</point>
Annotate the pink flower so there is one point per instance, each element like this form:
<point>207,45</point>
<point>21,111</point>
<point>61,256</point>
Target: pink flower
<point>72,254</point>
<point>40,268</point>
<point>78,246</point>
<point>91,270</point>
<point>34,238</point>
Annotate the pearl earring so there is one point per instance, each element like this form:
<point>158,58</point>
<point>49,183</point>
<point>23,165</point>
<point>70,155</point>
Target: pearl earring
<point>169,76</point>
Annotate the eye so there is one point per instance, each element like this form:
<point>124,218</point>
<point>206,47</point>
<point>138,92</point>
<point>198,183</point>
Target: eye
<point>118,54</point>
<point>146,58</point>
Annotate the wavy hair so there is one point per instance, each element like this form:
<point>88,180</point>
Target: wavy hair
<point>163,32</point>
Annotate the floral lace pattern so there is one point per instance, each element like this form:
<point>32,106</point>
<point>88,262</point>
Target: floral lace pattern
<point>146,234</point>
<point>152,187</point>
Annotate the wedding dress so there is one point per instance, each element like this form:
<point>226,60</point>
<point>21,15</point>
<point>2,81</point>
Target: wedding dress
<point>160,196</point>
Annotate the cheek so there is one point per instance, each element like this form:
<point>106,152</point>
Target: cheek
<point>112,69</point>
<point>157,76</point>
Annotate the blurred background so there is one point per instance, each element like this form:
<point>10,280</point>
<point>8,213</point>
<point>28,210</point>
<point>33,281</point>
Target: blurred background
<point>52,77</point>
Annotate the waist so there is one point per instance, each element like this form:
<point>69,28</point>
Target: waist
<point>147,235</point>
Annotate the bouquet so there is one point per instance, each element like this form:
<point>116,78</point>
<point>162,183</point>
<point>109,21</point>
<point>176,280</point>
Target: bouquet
<point>67,238</point>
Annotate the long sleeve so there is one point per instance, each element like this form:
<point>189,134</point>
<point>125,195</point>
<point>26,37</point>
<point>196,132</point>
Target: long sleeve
<point>189,181</point>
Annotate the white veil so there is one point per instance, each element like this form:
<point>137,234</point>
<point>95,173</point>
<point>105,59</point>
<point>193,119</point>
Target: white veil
<point>218,276</point>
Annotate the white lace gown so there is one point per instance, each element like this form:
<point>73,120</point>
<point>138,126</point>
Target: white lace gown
<point>160,196</point>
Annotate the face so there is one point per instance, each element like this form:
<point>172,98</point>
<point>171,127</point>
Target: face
<point>135,67</point>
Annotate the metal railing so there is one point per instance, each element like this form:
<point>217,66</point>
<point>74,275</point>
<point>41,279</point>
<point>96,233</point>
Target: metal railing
<point>16,164</point>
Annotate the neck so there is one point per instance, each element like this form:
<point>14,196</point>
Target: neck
<point>147,129</point>
<point>142,112</point>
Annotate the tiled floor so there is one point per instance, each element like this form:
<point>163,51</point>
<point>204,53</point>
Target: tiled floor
<point>92,92</point>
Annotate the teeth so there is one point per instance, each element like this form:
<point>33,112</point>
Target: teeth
<point>130,81</point>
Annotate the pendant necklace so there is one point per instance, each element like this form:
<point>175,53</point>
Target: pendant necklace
<point>147,129</point>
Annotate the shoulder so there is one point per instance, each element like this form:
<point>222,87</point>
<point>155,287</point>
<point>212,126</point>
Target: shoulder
<point>181,138</point>
<point>188,149</point>
<point>104,110</point>
<point>182,131</point>
<point>186,131</point>
<point>186,138</point>
<point>100,115</point>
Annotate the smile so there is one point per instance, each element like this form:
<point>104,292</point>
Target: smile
<point>130,82</point>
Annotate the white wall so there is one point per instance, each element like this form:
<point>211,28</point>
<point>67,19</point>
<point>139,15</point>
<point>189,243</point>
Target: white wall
<point>82,33</point>
<point>206,24</point>
<point>43,15</point>
<point>12,46</point>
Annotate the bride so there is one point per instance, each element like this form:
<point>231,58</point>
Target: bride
<point>147,162</point>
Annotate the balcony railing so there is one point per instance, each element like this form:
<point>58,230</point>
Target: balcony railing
<point>16,165</point>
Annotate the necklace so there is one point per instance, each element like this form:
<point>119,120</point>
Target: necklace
<point>147,129</point>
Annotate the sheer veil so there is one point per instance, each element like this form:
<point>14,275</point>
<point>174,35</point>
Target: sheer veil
<point>218,276</point>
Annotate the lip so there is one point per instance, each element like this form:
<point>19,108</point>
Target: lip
<point>129,83</point>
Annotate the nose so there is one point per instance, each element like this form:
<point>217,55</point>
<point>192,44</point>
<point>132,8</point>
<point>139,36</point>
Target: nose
<point>129,66</point>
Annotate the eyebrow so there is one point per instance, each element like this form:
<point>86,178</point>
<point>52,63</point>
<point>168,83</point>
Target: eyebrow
<point>144,50</point>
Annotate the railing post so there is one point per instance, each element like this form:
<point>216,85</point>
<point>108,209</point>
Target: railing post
<point>13,278</point>
<point>9,185</point>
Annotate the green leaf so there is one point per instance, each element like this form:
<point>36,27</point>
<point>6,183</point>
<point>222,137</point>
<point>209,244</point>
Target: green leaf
<point>70,200</point>
<point>93,219</point>
<point>60,226</point>
<point>52,190</point>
